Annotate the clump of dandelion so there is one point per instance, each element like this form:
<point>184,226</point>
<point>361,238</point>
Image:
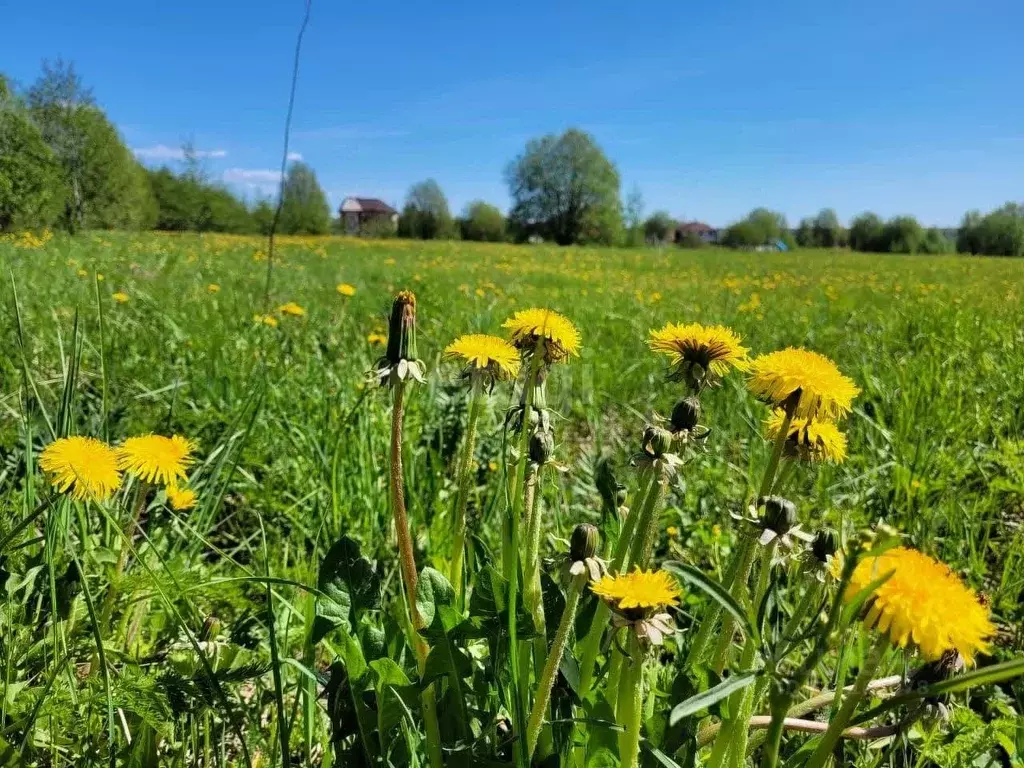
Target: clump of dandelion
<point>346,290</point>
<point>181,498</point>
<point>545,330</point>
<point>83,467</point>
<point>808,440</point>
<point>699,354</point>
<point>267,320</point>
<point>120,297</point>
<point>291,309</point>
<point>213,288</point>
<point>807,384</point>
<point>922,603</point>
<point>156,459</point>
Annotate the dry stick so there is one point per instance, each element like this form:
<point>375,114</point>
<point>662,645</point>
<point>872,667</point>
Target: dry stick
<point>707,734</point>
<point>407,563</point>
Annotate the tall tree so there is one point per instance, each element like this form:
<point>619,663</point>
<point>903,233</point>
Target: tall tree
<point>425,215</point>
<point>482,221</point>
<point>305,210</point>
<point>565,189</point>
<point>659,227</point>
<point>633,218</point>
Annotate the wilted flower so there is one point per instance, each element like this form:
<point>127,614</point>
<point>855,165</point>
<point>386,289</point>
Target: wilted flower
<point>583,559</point>
<point>399,363</point>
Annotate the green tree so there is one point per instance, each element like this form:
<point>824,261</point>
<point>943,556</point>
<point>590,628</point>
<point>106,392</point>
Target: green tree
<point>305,210</point>
<point>31,191</point>
<point>659,227</point>
<point>633,219</point>
<point>565,189</point>
<point>425,215</point>
<point>186,202</point>
<point>867,233</point>
<point>902,234</point>
<point>760,227</point>
<point>263,216</point>
<point>998,233</point>
<point>482,221</point>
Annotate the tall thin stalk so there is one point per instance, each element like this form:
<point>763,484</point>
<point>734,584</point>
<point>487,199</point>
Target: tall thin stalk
<point>122,558</point>
<point>466,466</point>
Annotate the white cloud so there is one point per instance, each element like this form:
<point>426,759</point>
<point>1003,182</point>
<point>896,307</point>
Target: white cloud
<point>294,155</point>
<point>163,152</point>
<point>251,176</point>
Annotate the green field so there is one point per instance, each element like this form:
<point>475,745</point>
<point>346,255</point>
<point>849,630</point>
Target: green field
<point>113,335</point>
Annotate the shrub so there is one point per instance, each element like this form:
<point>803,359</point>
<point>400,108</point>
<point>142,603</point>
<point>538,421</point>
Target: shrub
<point>482,221</point>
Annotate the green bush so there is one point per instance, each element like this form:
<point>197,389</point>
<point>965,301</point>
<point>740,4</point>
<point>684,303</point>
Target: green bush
<point>482,221</point>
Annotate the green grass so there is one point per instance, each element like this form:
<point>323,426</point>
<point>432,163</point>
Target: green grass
<point>293,446</point>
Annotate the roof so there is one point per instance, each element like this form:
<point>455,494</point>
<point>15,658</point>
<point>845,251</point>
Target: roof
<point>366,205</point>
<point>698,227</point>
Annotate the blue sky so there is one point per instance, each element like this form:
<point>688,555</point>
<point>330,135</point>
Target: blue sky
<point>708,108</point>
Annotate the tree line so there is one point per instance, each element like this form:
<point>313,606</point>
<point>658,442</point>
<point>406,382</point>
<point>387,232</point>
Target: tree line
<point>63,164</point>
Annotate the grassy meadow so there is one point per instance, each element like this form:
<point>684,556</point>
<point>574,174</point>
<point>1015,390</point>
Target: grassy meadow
<point>113,335</point>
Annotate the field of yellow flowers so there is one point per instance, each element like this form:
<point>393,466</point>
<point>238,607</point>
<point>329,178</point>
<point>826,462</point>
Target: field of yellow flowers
<point>748,508</point>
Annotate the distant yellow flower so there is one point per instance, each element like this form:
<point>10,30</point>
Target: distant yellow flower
<point>346,290</point>
<point>486,354</point>
<point>84,467</point>
<point>181,498</point>
<point>923,602</point>
<point>672,531</point>
<point>156,459</point>
<point>291,308</point>
<point>269,320</point>
<point>638,589</point>
<point>821,390</point>
<point>816,441</point>
<point>376,339</point>
<point>553,331</point>
<point>120,297</point>
<point>714,348</point>
<point>83,273</point>
<point>213,288</point>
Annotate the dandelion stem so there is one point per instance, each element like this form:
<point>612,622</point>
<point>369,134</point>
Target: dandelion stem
<point>647,527</point>
<point>462,494</point>
<point>592,642</point>
<point>630,709</point>
<point>547,677</point>
<point>122,557</point>
<point>407,562</point>
<point>838,723</point>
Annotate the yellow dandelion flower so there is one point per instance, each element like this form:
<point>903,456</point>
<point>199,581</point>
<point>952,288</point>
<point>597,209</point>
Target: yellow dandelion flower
<point>638,589</point>
<point>156,459</point>
<point>923,602</point>
<point>376,339</point>
<point>181,498</point>
<point>120,297</point>
<point>483,353</point>
<point>714,348</point>
<point>346,290</point>
<point>291,308</point>
<point>213,288</point>
<point>269,320</point>
<point>556,332</point>
<point>820,388</point>
<point>84,467</point>
<point>672,531</point>
<point>83,273</point>
<point>816,441</point>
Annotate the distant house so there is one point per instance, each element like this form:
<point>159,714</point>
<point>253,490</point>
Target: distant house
<point>360,213</point>
<point>707,234</point>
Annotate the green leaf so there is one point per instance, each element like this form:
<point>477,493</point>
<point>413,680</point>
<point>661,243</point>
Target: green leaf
<point>697,578</point>
<point>348,582</point>
<point>705,699</point>
<point>433,592</point>
<point>9,756</point>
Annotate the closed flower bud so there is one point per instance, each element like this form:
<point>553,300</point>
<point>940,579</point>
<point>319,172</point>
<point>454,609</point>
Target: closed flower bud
<point>779,514</point>
<point>401,327</point>
<point>542,445</point>
<point>686,414</point>
<point>584,542</point>
<point>825,544</point>
<point>657,441</point>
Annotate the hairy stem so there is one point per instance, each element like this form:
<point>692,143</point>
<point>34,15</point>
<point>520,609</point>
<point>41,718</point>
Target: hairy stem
<point>462,494</point>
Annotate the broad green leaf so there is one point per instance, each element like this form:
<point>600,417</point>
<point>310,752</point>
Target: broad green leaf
<point>348,582</point>
<point>705,699</point>
<point>433,592</point>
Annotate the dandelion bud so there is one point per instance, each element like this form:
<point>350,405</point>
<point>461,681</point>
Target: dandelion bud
<point>542,445</point>
<point>584,542</point>
<point>401,327</point>
<point>210,628</point>
<point>825,544</point>
<point>779,514</point>
<point>686,414</point>
<point>656,441</point>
